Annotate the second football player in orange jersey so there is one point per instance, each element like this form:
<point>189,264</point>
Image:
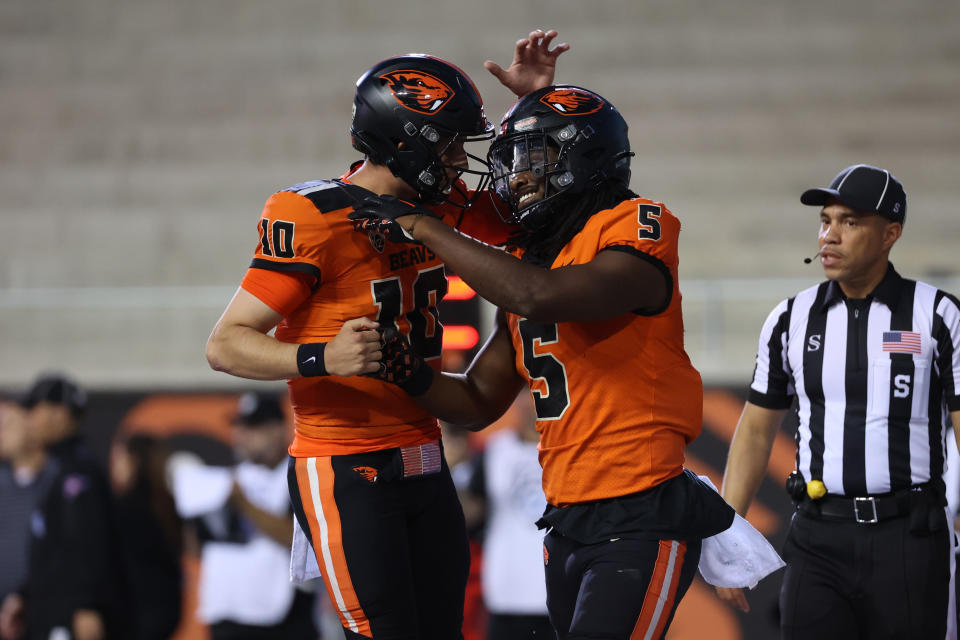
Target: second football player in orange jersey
<point>591,323</point>
<point>370,488</point>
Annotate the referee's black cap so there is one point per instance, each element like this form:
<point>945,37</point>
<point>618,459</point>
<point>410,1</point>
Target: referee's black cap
<point>257,408</point>
<point>58,389</point>
<point>864,188</point>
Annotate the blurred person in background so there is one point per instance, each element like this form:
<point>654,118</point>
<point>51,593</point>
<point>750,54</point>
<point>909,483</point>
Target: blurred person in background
<point>151,535</point>
<point>72,588</point>
<point>458,452</point>
<point>25,474</point>
<point>242,518</point>
<point>507,481</point>
<point>373,498</point>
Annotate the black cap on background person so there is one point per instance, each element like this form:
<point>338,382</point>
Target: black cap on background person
<point>863,188</point>
<point>56,389</point>
<point>260,432</point>
<point>257,408</point>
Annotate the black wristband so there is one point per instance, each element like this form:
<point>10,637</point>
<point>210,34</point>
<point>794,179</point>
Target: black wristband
<point>419,383</point>
<point>310,360</point>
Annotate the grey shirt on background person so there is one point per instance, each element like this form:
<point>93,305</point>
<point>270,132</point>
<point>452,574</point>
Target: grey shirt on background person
<point>19,495</point>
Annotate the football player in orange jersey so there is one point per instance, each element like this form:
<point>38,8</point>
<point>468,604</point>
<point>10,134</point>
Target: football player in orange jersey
<point>590,321</point>
<point>371,491</point>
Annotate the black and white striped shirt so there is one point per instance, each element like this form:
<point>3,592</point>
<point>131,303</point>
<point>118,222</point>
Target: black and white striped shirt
<point>875,381</point>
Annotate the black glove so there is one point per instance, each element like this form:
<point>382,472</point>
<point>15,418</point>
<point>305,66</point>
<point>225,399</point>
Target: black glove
<point>378,214</point>
<point>401,365</point>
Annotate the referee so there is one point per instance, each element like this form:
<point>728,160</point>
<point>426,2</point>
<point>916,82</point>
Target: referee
<point>873,360</point>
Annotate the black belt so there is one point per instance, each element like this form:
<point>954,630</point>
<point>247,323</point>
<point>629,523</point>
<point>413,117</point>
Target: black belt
<point>865,509</point>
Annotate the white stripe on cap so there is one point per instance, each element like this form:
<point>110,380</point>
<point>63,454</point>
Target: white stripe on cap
<point>885,185</point>
<point>852,169</point>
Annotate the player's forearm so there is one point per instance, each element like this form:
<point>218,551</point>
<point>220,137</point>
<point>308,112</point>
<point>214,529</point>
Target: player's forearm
<point>453,399</point>
<point>498,277</point>
<point>475,399</point>
<point>245,352</point>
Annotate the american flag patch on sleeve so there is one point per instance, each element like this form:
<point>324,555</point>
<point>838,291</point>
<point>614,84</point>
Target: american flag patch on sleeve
<point>901,342</point>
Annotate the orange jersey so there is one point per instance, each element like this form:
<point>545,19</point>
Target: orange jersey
<point>317,272</point>
<point>617,400</point>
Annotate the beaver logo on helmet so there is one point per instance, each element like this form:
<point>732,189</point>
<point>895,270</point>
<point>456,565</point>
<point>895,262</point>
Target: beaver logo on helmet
<point>418,91</point>
<point>572,102</point>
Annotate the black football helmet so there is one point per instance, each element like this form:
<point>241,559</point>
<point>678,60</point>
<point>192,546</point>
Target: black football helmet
<point>427,104</point>
<point>558,142</point>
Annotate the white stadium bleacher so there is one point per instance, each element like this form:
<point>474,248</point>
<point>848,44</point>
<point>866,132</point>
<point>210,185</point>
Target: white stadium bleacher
<point>140,139</point>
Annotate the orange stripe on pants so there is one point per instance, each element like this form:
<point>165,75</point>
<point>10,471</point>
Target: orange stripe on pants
<point>315,483</point>
<point>659,599</point>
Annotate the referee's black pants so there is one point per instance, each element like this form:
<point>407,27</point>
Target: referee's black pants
<point>848,581</point>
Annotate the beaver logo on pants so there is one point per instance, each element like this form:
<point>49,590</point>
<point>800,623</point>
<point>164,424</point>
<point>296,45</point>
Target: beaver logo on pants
<point>369,473</point>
